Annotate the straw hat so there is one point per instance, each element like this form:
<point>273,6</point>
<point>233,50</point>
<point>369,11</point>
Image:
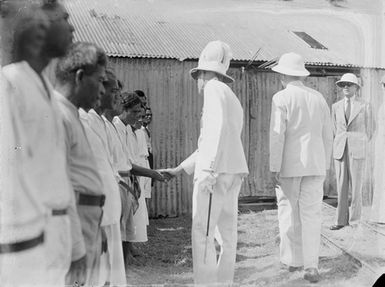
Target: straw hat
<point>348,78</point>
<point>291,64</point>
<point>215,57</point>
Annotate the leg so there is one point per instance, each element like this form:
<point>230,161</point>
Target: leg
<point>115,255</point>
<point>90,218</point>
<point>289,221</point>
<point>342,176</point>
<point>227,228</point>
<point>25,268</point>
<point>205,273</point>
<point>310,206</point>
<point>357,171</point>
<point>58,249</point>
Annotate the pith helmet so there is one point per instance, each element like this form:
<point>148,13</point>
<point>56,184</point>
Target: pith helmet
<point>291,64</point>
<point>348,78</point>
<point>215,57</point>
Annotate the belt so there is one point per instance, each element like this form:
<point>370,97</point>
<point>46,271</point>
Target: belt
<point>22,245</point>
<point>91,200</point>
<point>58,212</point>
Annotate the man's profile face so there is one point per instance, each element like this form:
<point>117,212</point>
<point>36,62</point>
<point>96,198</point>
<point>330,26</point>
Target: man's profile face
<point>133,114</point>
<point>60,32</point>
<point>201,81</point>
<point>92,89</point>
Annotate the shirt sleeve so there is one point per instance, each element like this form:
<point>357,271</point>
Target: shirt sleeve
<point>189,163</point>
<point>327,135</point>
<point>212,126</point>
<point>278,122</point>
<point>78,246</point>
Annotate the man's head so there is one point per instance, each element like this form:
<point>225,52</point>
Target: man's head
<point>203,77</point>
<point>139,122</point>
<point>60,32</point>
<point>132,108</point>
<point>142,97</point>
<point>147,117</point>
<point>213,60</point>
<point>382,82</point>
<point>23,30</point>
<point>349,85</point>
<point>82,71</point>
<point>108,100</point>
<point>291,67</point>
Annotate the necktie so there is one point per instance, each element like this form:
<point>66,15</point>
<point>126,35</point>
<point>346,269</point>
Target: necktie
<point>348,108</point>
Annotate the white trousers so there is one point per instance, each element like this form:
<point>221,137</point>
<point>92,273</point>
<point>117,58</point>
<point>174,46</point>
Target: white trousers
<point>223,217</point>
<point>112,263</point>
<point>299,214</point>
<point>58,249</point>
<point>25,268</point>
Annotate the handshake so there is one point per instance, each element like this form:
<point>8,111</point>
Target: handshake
<point>164,175</point>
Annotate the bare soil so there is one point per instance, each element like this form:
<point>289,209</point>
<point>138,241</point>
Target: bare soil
<point>167,261</point>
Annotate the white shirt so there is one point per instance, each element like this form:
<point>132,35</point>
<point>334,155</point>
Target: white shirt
<point>301,137</point>
<point>128,138</point>
<point>352,99</point>
<point>119,157</point>
<point>220,147</point>
<point>42,124</point>
<point>96,133</point>
<point>21,208</point>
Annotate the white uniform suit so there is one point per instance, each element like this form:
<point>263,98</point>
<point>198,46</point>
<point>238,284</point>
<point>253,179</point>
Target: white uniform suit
<point>300,150</point>
<point>220,151</point>
<point>349,152</point>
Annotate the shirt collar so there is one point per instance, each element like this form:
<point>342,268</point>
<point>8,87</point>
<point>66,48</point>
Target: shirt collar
<point>295,83</point>
<point>352,99</point>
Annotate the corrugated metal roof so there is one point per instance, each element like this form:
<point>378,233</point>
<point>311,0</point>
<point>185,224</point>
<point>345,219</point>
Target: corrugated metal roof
<point>133,29</point>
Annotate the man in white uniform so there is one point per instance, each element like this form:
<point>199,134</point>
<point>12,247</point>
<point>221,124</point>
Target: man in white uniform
<point>40,120</point>
<point>218,164</point>
<point>300,150</point>
<point>114,263</point>
<point>137,232</point>
<point>22,212</point>
<point>80,83</point>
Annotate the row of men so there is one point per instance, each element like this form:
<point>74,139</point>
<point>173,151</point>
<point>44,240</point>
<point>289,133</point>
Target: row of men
<point>75,172</point>
<point>102,157</point>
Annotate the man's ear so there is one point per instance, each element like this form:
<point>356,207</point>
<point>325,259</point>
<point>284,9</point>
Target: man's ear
<point>79,76</point>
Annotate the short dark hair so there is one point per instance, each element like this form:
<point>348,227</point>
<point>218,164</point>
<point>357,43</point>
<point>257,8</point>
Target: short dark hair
<point>81,55</point>
<point>120,84</point>
<point>130,100</point>
<point>28,19</point>
<point>49,5</point>
<point>140,93</point>
<point>110,79</point>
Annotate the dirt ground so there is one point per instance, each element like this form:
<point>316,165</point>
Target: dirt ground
<point>167,257</point>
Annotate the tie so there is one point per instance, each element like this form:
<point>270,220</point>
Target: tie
<point>348,108</point>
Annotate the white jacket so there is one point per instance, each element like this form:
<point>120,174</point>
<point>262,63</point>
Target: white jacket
<point>219,146</point>
<point>301,135</point>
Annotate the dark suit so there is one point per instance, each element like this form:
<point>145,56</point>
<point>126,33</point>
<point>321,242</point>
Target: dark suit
<point>349,152</point>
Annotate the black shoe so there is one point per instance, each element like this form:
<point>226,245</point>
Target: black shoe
<point>295,268</point>
<point>336,227</point>
<point>311,275</point>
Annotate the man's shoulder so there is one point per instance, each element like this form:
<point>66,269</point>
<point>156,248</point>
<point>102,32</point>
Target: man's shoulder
<point>217,86</point>
<point>65,106</point>
<point>337,103</point>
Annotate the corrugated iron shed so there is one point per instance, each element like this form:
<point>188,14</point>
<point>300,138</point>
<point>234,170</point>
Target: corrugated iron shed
<point>141,29</point>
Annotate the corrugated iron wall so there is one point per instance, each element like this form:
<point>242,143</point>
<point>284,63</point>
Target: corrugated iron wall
<point>176,108</point>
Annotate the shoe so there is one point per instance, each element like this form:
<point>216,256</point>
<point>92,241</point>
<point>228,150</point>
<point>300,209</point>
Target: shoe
<point>291,268</point>
<point>295,268</point>
<point>311,275</point>
<point>336,227</point>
